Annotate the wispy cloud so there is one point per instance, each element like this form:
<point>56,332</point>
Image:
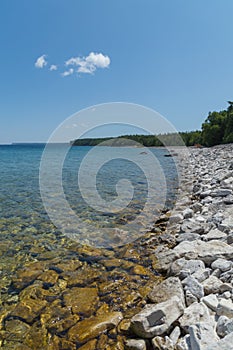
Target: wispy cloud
<point>80,64</point>
<point>41,62</point>
<point>53,67</point>
<point>68,72</point>
<point>90,63</point>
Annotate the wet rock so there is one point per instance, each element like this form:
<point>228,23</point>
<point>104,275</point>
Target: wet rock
<point>29,309</point>
<point>166,290</point>
<point>37,337</point>
<point>135,344</point>
<point>155,320</point>
<point>81,300</point>
<point>91,327</point>
<point>49,277</point>
<point>91,345</point>
<point>16,330</point>
<point>58,319</point>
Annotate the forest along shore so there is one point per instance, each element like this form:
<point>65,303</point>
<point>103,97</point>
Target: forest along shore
<point>193,307</point>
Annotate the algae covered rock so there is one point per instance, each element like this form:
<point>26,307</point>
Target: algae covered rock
<point>93,326</point>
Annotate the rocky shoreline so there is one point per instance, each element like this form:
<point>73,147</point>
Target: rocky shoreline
<point>192,309</point>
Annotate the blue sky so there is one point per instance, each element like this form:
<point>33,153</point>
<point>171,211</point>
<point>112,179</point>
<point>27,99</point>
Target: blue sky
<point>174,56</point>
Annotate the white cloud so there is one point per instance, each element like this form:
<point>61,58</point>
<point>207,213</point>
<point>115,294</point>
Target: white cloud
<point>53,67</point>
<point>41,62</point>
<point>68,72</point>
<point>90,63</point>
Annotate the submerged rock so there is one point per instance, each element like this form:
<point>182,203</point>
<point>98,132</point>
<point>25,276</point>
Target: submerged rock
<point>91,327</point>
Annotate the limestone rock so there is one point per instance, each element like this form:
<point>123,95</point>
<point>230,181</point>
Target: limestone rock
<point>222,264</point>
<point>205,251</point>
<point>202,335</point>
<point>166,290</point>
<point>155,320</point>
<point>225,308</point>
<point>195,313</point>
<point>191,266</point>
<point>135,344</point>
<point>194,287</point>
<point>211,301</point>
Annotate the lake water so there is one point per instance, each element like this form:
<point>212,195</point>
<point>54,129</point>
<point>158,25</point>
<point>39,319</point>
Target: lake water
<point>28,236</point>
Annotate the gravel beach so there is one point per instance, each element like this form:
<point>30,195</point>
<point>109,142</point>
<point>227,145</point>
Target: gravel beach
<point>192,309</point>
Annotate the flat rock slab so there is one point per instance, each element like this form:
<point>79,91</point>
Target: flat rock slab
<point>205,251</point>
<point>167,289</point>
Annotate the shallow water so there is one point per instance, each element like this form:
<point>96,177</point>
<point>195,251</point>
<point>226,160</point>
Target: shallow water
<point>31,244</point>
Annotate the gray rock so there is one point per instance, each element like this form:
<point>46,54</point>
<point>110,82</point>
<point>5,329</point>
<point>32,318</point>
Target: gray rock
<point>230,238</point>
<point>192,285</point>
<point>184,343</point>
<point>135,344</point>
<point>222,264</point>
<point>205,194</point>
<point>211,301</point>
<point>215,285</point>
<point>215,234</point>
<point>188,236</point>
<point>175,334</point>
<point>205,251</point>
<point>226,276</point>
<point>188,213</point>
<point>223,344</point>
<point>176,219</point>
<point>224,326</point>
<point>225,308</point>
<point>190,225</point>
<point>195,313</point>
<point>202,335</point>
<point>221,192</point>
<point>202,274</point>
<point>190,298</point>
<point>191,266</point>
<point>155,320</point>
<point>228,200</point>
<point>197,207</point>
<point>167,289</point>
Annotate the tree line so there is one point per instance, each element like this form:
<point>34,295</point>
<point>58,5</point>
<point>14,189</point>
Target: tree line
<point>216,129</point>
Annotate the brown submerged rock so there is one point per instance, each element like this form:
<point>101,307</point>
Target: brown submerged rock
<point>93,326</point>
<point>16,330</point>
<point>91,345</point>
<point>29,309</point>
<point>58,319</point>
<point>49,277</point>
<point>81,300</point>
